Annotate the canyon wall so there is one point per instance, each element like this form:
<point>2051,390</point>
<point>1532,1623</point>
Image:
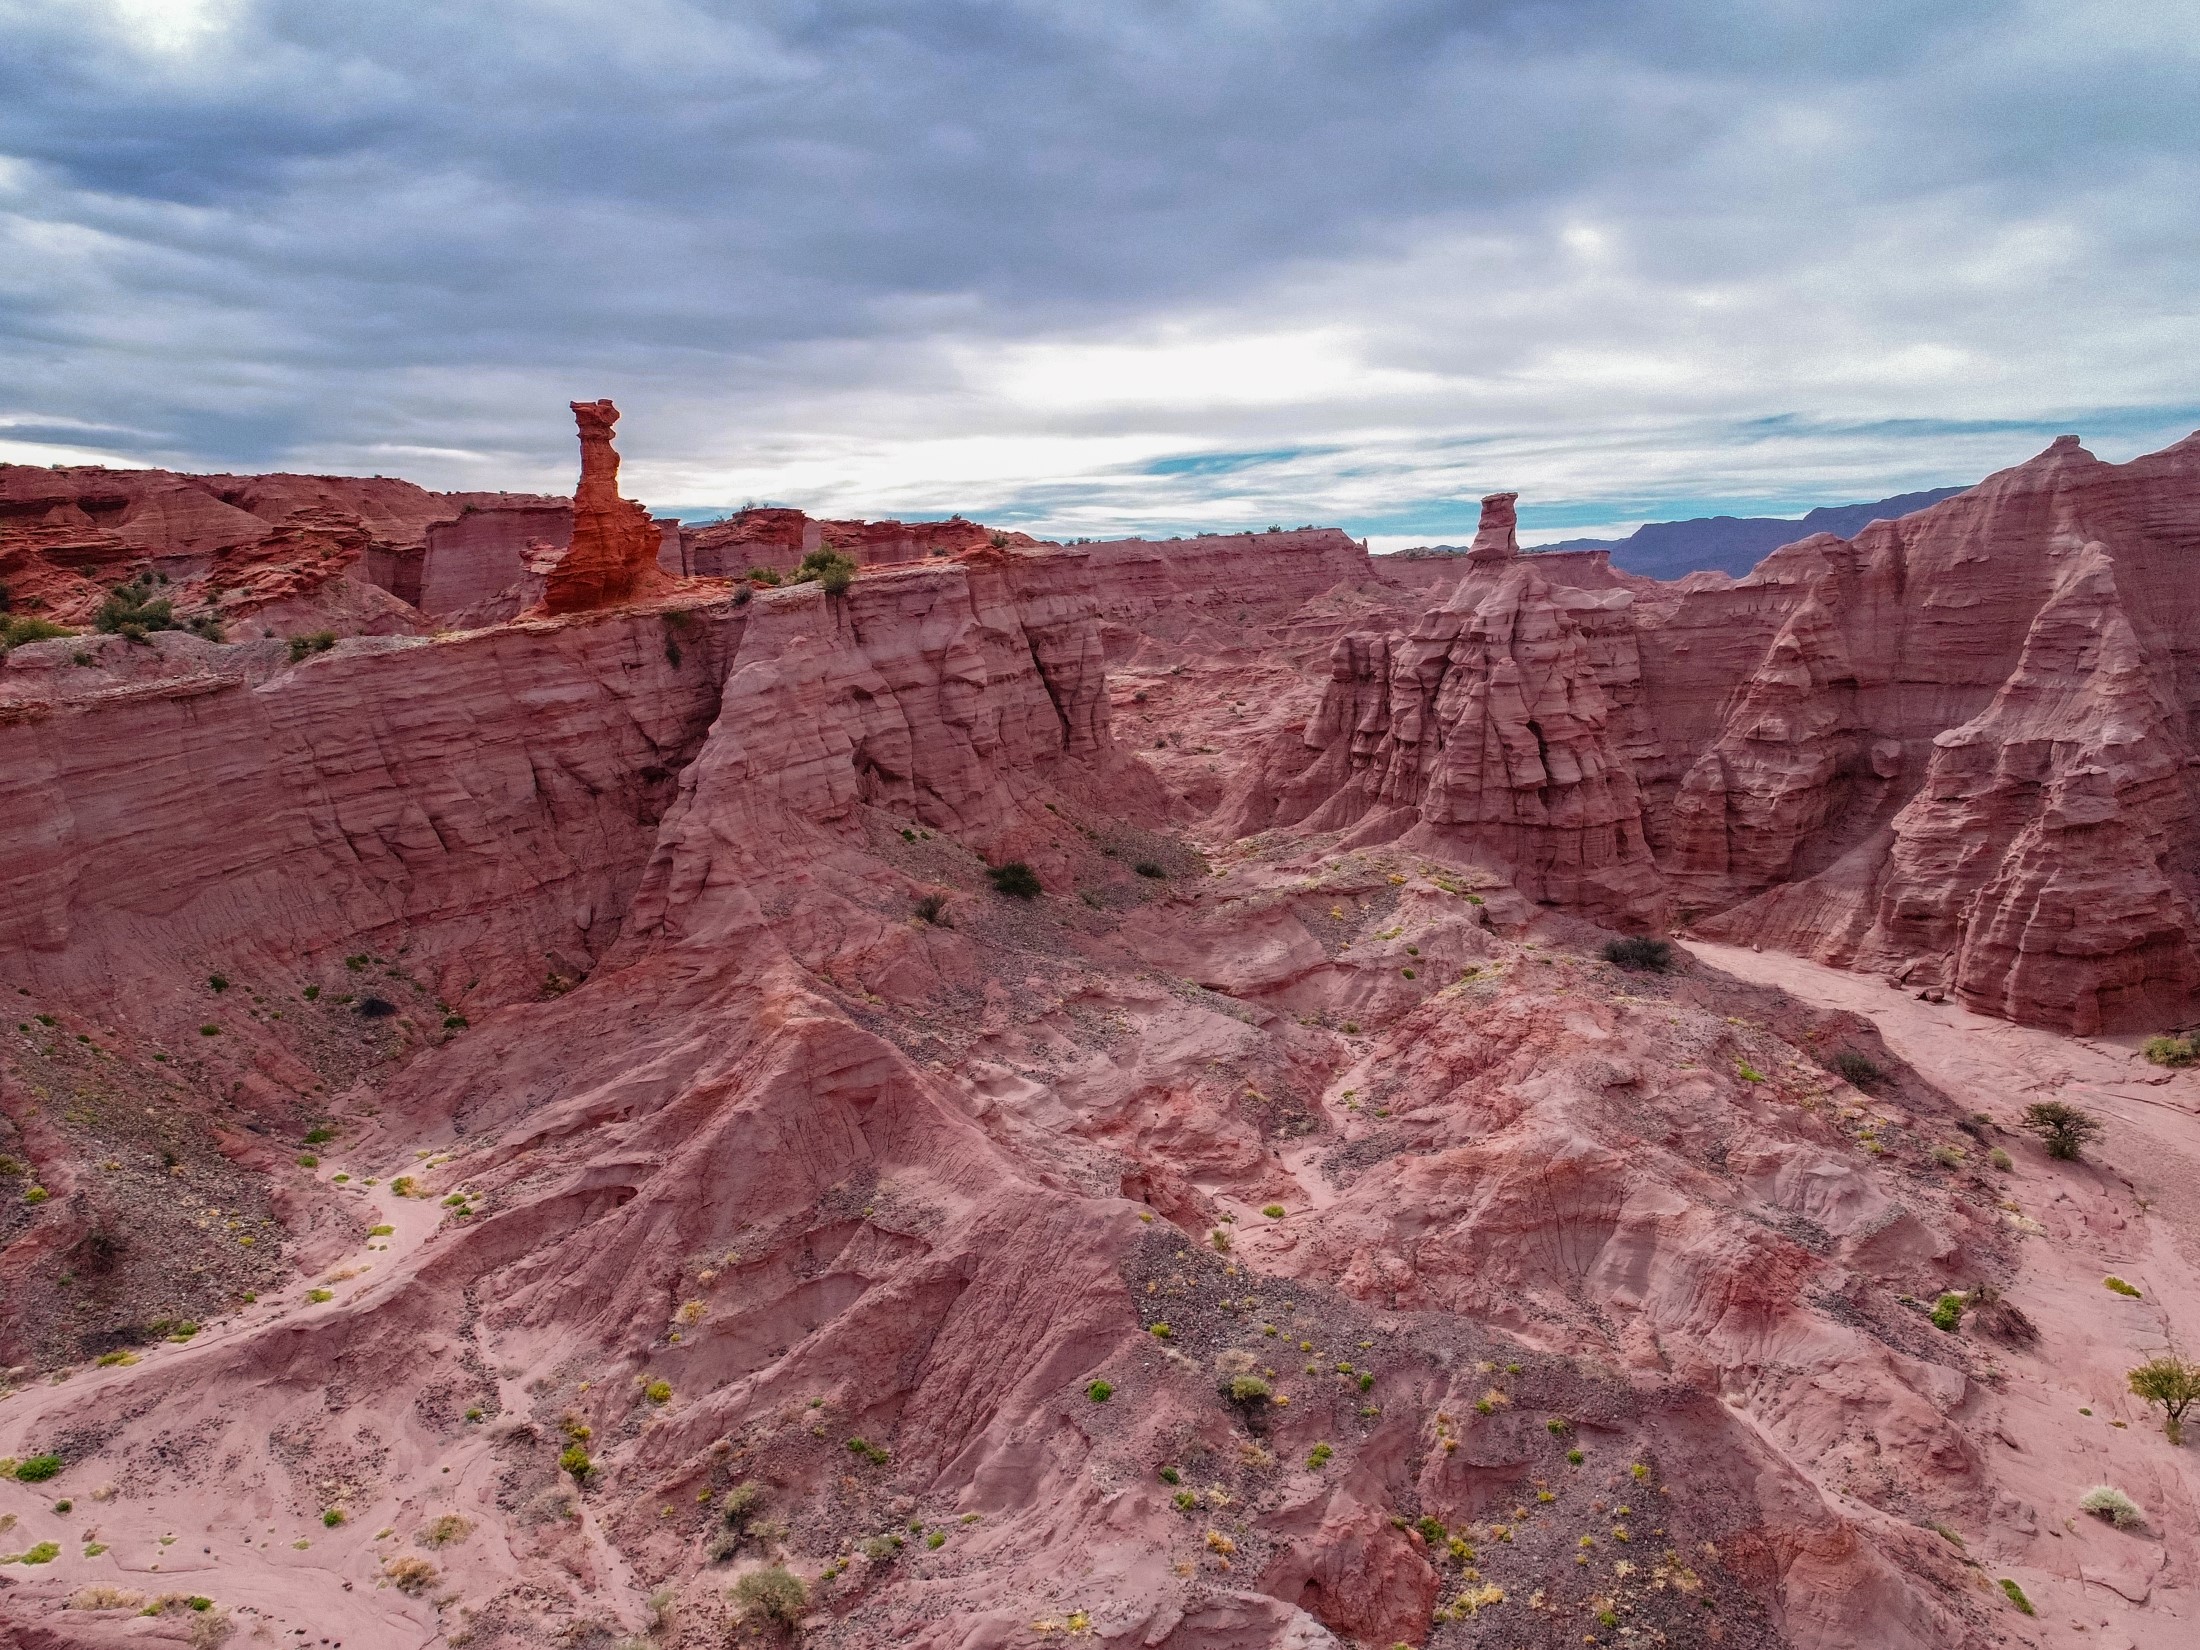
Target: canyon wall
<point>1958,749</point>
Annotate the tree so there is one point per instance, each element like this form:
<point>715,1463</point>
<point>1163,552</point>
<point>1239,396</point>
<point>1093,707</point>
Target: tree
<point>2172,1382</point>
<point>2063,1129</point>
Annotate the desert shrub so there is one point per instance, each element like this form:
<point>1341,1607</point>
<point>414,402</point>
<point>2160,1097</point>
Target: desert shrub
<point>1947,1156</point>
<point>1099,1392</point>
<point>37,1469</point>
<point>775,1596</point>
<point>317,1296</point>
<point>2016,1597</point>
<point>102,1597</point>
<point>762,575</point>
<point>1640,954</point>
<point>2000,1160</point>
<point>304,647</point>
<point>333,1517</point>
<point>738,1507</point>
<point>575,1461</point>
<point>2062,1128</point>
<point>410,1574</point>
<point>2172,1050</point>
<point>833,571</point>
<point>877,1454</point>
<point>446,1531</point>
<point>320,1134</point>
<point>1249,1392</point>
<point>1948,1312</point>
<point>658,1392</point>
<point>2117,1286</point>
<point>24,628</point>
<point>133,612</point>
<point>1274,1211</point>
<point>1318,1457</point>
<point>932,908</point>
<point>2107,1502</point>
<point>2171,1381</point>
<point>1855,1069</point>
<point>881,1549</point>
<point>1015,879</point>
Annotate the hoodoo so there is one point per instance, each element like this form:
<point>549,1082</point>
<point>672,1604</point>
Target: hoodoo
<point>613,555</point>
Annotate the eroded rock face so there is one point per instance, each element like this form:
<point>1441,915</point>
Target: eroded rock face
<point>1847,753</point>
<point>1488,726</point>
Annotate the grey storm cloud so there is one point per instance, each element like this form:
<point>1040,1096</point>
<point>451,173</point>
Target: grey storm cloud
<point>1020,255</point>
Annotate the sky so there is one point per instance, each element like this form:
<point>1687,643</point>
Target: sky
<point>1086,269</point>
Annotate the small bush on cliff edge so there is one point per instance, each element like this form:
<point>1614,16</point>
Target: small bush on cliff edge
<point>833,571</point>
<point>1640,954</point>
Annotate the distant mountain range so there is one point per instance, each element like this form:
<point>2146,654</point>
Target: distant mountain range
<point>1735,544</point>
<point>1725,544</point>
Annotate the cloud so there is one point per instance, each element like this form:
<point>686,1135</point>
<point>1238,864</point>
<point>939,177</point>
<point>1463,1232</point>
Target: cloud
<point>1162,263</point>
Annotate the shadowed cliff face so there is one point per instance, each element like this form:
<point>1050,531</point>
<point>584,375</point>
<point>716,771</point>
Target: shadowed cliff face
<point>559,1116</point>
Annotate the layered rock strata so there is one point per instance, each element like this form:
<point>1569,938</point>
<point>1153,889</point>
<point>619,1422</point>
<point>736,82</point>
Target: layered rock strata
<point>1838,753</point>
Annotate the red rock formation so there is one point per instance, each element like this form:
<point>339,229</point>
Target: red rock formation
<point>763,1142</point>
<point>779,539</point>
<point>613,554</point>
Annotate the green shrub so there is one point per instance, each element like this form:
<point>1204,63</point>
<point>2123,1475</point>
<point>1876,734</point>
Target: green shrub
<point>575,1461</point>
<point>2016,1597</point>
<point>738,1507</point>
<point>1249,1392</point>
<point>1640,954</point>
<point>762,575</point>
<point>1274,1211</point>
<point>2118,1286</point>
<point>833,571</point>
<point>44,1553</point>
<point>2062,1128</point>
<point>876,1454</point>
<point>320,1134</point>
<point>37,1469</point>
<point>2000,1160</point>
<point>658,1392</point>
<point>1318,1457</point>
<point>133,612</point>
<point>1855,1070</point>
<point>775,1596</point>
<point>2171,1381</point>
<point>1169,1475</point>
<point>1015,879</point>
<point>333,1517</point>
<point>1099,1392</point>
<point>24,628</point>
<point>2172,1050</point>
<point>318,641</point>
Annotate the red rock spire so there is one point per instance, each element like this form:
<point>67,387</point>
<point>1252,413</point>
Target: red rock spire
<point>613,557</point>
